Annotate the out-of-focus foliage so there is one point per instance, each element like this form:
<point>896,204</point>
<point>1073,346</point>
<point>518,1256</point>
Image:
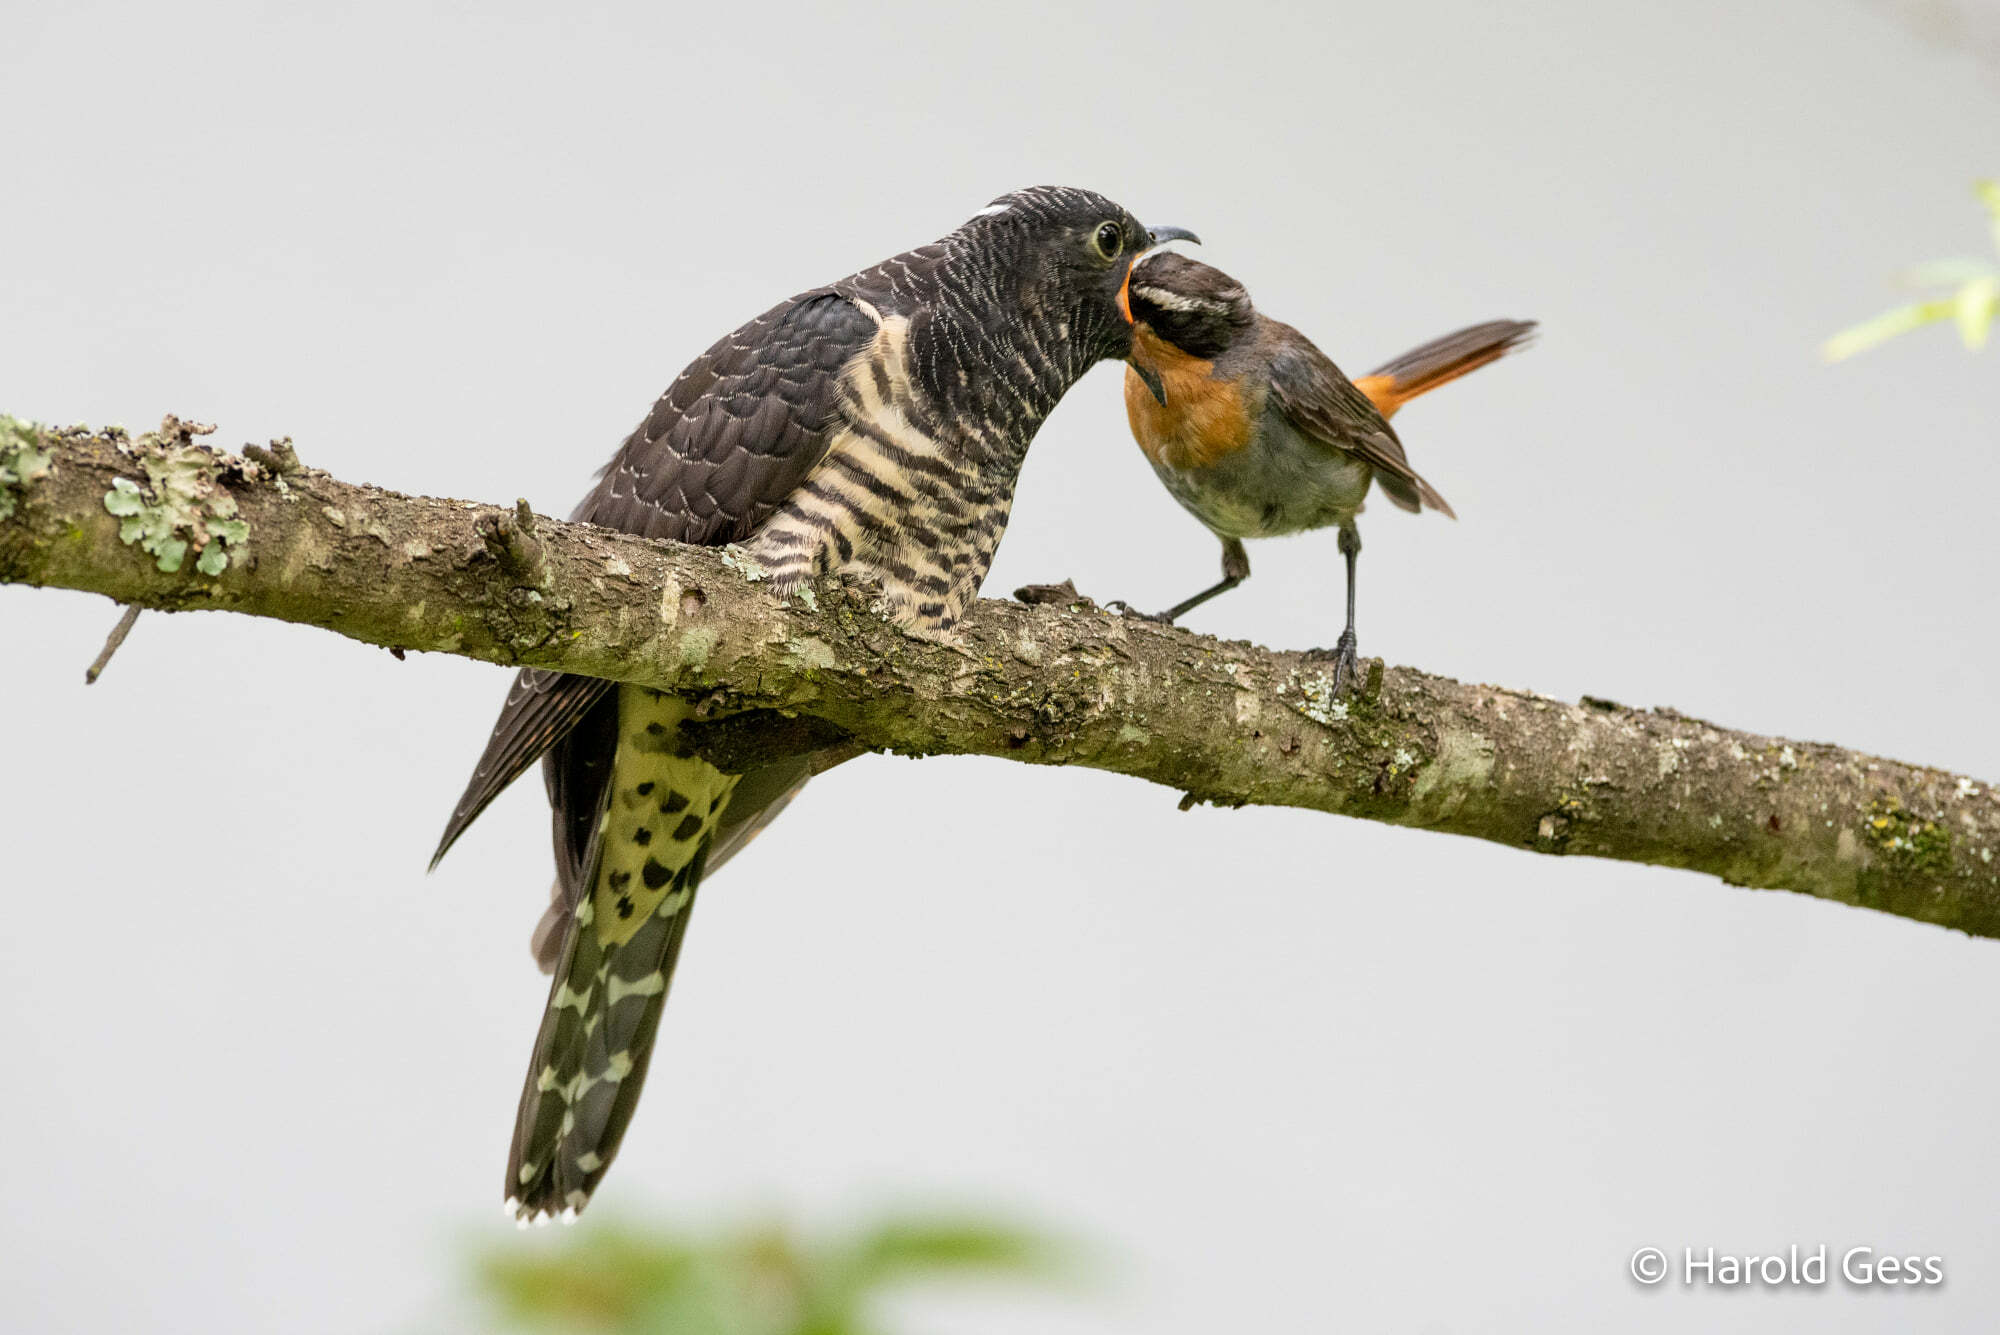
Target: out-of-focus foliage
<point>763,1280</point>
<point>1972,303</point>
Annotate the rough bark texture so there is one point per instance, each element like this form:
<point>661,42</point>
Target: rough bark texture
<point>1228,723</point>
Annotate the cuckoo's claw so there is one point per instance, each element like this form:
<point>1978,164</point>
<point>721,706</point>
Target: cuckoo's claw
<point>1126,609</point>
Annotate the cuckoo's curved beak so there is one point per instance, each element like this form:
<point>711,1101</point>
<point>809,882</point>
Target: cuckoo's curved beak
<point>1162,235</point>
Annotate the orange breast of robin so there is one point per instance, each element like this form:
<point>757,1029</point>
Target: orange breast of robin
<point>1204,418</point>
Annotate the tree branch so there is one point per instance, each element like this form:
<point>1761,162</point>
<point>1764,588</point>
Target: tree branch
<point>146,522</point>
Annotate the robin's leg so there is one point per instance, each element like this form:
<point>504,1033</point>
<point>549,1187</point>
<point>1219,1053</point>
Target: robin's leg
<point>1235,569</point>
<point>1346,662</point>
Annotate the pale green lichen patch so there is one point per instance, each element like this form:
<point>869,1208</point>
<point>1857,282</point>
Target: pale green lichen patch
<point>1317,700</point>
<point>180,509</point>
<point>22,460</point>
<point>809,654</point>
<point>743,563</point>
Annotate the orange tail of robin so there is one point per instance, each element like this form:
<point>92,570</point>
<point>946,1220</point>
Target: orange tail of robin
<point>1257,433</point>
<point>1441,361</point>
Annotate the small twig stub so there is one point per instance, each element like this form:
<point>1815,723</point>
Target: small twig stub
<point>111,643</point>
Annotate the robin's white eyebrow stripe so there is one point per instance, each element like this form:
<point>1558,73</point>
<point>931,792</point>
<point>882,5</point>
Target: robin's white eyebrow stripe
<point>1174,301</point>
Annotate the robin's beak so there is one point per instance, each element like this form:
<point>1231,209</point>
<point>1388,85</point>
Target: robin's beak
<point>1159,236</point>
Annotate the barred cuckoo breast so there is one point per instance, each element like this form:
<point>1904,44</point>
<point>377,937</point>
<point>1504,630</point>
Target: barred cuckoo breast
<point>874,427</point>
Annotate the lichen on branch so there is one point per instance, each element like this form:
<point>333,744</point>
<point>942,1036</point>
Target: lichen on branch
<point>182,505</point>
<point>1063,684</point>
<point>23,459</point>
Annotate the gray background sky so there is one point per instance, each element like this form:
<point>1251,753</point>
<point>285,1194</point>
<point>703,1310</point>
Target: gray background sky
<point>1289,1071</point>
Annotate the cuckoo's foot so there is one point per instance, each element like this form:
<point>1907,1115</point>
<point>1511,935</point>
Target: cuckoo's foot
<point>1126,609</point>
<point>1346,662</point>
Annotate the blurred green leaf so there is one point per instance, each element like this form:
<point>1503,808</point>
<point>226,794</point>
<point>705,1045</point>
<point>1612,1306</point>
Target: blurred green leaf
<point>900,1248</point>
<point>909,1250</point>
<point>1971,307</point>
<point>1948,273</point>
<point>1886,326</point>
<point>756,1281</point>
<point>1989,195</point>
<point>1974,310</point>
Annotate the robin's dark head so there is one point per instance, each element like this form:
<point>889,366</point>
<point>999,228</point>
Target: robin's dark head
<point>1194,306</point>
<point>1064,257</point>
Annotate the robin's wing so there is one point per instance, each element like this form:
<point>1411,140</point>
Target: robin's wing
<point>1324,404</point>
<point>731,438</point>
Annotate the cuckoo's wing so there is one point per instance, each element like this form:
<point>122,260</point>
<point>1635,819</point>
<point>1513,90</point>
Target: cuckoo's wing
<point>542,708</point>
<point>738,431</point>
<point>731,438</point>
<point>1324,404</point>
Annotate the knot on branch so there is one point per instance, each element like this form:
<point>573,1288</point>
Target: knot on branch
<point>1054,595</point>
<point>279,459</point>
<point>512,540</point>
<point>174,431</point>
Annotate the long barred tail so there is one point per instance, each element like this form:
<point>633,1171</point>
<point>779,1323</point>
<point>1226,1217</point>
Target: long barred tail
<point>1440,361</point>
<point>611,982</point>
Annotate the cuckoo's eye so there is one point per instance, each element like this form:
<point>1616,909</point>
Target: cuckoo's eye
<point>1109,240</point>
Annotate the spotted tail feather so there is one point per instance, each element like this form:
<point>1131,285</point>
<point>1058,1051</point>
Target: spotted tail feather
<point>617,960</point>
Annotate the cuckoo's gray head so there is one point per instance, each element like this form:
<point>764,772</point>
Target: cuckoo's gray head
<point>1060,257</point>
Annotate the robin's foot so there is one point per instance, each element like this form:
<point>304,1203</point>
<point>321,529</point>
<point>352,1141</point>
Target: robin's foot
<point>1346,662</point>
<point>1124,608</point>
